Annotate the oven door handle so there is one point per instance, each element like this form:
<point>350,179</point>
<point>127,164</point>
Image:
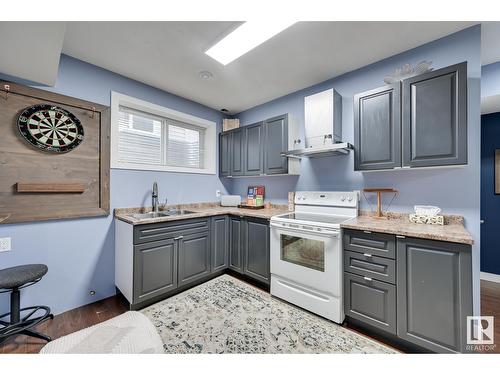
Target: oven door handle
<point>296,228</point>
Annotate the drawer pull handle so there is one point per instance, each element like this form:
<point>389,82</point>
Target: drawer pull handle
<point>367,278</point>
<point>178,238</point>
<point>367,255</point>
<point>367,232</point>
<point>398,236</point>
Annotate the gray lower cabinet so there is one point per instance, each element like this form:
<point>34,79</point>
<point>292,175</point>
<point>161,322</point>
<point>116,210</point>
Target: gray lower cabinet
<point>256,255</point>
<point>276,142</point>
<point>249,247</point>
<point>254,157</point>
<point>194,257</point>
<point>377,130</point>
<point>434,127</point>
<point>220,242</point>
<point>370,301</point>
<point>417,289</point>
<point>236,233</point>
<point>155,269</point>
<point>434,293</point>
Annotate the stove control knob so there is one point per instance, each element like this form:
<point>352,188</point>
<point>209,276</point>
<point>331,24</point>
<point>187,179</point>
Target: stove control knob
<point>349,198</point>
<point>342,198</point>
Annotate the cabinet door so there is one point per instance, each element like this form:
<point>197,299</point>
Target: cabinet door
<point>254,163</point>
<point>237,152</point>
<point>435,118</point>
<point>370,301</point>
<point>220,243</point>
<point>434,293</point>
<point>225,154</point>
<point>235,244</point>
<point>155,269</point>
<point>276,142</point>
<point>194,257</point>
<point>377,128</point>
<point>256,250</point>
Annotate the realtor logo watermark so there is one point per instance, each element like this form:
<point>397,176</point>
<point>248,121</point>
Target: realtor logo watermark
<point>480,333</point>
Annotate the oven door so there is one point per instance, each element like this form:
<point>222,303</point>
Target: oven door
<point>307,257</point>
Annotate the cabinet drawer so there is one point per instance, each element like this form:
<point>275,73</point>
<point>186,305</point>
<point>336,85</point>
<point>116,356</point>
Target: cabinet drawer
<point>159,231</point>
<point>372,302</point>
<point>379,244</point>
<point>378,268</point>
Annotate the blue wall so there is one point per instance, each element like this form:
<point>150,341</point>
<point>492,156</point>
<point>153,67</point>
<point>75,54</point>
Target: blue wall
<point>456,190</point>
<point>490,203</point>
<point>82,259</point>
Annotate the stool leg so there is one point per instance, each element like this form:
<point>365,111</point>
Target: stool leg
<point>15,298</point>
<point>38,335</point>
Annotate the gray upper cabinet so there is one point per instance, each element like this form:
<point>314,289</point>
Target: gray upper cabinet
<point>254,157</point>
<point>435,118</point>
<point>434,293</point>
<point>225,154</point>
<point>276,142</point>
<point>256,250</point>
<point>194,257</point>
<point>220,242</point>
<point>237,161</point>
<point>255,150</point>
<point>155,269</point>
<point>377,128</point>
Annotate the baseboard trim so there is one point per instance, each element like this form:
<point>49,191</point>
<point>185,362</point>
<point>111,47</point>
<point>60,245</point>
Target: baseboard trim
<point>490,277</point>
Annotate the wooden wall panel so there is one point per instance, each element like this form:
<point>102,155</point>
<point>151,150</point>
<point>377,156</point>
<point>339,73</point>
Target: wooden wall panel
<point>88,164</point>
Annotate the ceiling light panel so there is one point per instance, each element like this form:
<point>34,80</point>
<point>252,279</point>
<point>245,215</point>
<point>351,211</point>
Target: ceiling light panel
<point>245,38</point>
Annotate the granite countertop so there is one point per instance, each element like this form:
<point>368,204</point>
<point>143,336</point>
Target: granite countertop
<point>200,210</point>
<point>399,224</point>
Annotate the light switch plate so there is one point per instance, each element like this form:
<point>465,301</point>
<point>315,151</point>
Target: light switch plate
<point>5,244</point>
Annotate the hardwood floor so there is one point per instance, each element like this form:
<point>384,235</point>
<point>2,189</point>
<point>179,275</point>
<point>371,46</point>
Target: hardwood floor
<point>490,305</point>
<point>66,323</point>
<point>100,311</point>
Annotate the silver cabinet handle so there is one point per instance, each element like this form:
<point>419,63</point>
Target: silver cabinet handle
<point>398,236</point>
<point>367,231</point>
<point>367,255</point>
<point>178,238</point>
<point>367,278</point>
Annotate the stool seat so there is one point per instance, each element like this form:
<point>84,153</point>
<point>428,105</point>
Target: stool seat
<point>18,276</point>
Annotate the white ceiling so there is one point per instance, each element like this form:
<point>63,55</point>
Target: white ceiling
<point>170,55</point>
<point>21,57</point>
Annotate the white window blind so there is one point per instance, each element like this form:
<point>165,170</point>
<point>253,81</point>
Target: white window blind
<point>148,139</point>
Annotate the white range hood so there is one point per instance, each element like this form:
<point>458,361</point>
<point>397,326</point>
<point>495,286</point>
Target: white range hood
<point>322,126</point>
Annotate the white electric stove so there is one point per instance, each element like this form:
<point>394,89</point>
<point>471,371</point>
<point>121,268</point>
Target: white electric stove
<point>306,251</point>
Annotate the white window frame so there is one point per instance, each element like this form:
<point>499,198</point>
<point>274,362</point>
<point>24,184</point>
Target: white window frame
<point>210,135</point>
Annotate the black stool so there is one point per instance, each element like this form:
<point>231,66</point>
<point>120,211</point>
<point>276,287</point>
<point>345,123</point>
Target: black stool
<point>12,280</point>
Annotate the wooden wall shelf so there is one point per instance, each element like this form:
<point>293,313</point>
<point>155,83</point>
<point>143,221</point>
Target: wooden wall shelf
<point>50,187</point>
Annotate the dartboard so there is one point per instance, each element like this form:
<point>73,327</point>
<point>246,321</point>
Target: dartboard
<point>50,128</point>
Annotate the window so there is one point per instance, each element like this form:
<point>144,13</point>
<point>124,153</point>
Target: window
<point>149,137</point>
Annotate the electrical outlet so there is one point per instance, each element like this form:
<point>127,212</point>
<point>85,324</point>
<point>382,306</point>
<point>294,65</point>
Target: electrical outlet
<point>217,193</point>
<point>5,244</point>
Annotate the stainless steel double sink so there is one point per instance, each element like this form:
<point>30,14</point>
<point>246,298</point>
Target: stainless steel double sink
<point>153,215</point>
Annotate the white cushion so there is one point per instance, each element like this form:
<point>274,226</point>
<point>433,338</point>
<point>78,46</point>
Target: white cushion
<point>129,333</point>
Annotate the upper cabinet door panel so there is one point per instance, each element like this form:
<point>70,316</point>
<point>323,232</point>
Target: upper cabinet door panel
<point>254,161</point>
<point>237,152</point>
<point>377,128</point>
<point>276,142</point>
<point>435,118</point>
<point>225,154</point>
